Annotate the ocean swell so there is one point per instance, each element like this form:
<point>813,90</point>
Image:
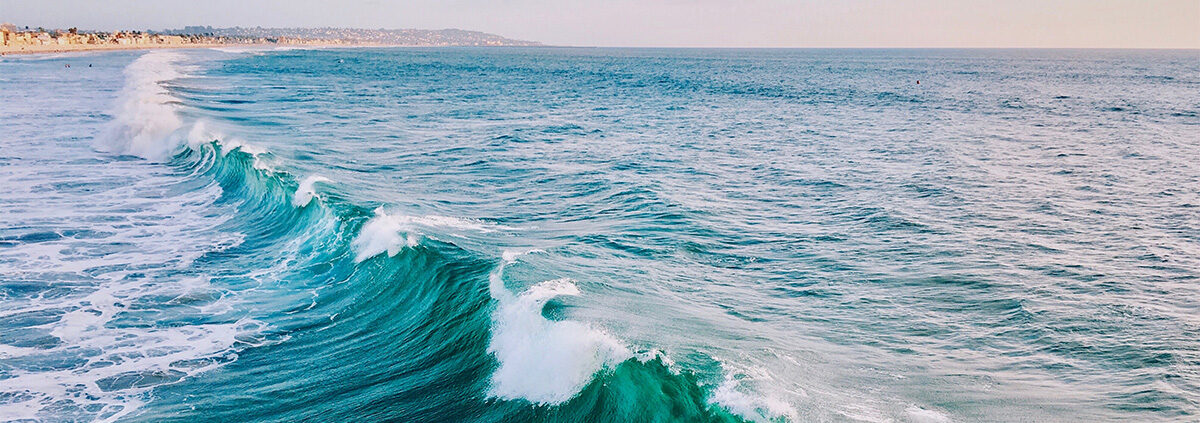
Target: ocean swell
<point>550,363</point>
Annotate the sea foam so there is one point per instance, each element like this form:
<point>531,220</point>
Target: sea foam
<point>144,116</point>
<point>391,233</point>
<point>119,245</point>
<point>146,121</point>
<point>733,396</point>
<point>918,414</point>
<point>307,190</point>
<point>541,360</point>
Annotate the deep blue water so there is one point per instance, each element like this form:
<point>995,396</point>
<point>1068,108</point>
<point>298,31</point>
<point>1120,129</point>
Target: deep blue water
<point>618,235</point>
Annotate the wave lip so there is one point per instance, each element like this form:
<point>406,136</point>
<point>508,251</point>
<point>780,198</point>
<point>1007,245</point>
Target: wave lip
<point>391,233</point>
<point>307,190</point>
<point>381,234</point>
<point>541,360</point>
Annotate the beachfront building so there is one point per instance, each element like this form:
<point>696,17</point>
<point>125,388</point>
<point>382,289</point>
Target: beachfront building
<point>7,32</point>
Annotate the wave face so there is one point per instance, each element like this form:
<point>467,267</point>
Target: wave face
<point>598,235</point>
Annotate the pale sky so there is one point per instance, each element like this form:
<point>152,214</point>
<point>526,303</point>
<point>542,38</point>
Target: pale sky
<point>677,23</point>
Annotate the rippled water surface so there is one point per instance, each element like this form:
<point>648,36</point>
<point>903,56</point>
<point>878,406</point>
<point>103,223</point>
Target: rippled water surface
<point>600,235</point>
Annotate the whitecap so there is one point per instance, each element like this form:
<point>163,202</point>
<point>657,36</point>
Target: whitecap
<point>307,190</point>
<point>510,256</point>
<point>737,393</point>
<point>541,360</point>
<point>391,233</point>
<point>144,116</point>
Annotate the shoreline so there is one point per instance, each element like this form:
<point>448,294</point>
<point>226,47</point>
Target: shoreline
<point>84,48</point>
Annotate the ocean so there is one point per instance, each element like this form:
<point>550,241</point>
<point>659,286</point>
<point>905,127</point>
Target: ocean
<point>600,235</point>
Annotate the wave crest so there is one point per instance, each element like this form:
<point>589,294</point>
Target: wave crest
<point>391,233</point>
<point>307,190</point>
<point>541,360</point>
<point>144,116</point>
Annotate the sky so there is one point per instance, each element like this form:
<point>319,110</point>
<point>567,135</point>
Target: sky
<point>676,23</point>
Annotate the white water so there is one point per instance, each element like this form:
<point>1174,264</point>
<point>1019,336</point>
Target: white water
<point>307,190</point>
<point>144,116</point>
<point>739,393</point>
<point>541,360</point>
<point>391,233</point>
<point>135,241</point>
<point>921,415</point>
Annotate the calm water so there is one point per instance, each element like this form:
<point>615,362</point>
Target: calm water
<point>495,235</point>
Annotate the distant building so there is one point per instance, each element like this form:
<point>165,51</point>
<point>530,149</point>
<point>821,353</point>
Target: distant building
<point>7,31</point>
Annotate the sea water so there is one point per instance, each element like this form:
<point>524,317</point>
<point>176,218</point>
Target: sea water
<point>613,235</point>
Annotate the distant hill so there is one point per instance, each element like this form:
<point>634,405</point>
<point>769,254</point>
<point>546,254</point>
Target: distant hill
<point>414,37</point>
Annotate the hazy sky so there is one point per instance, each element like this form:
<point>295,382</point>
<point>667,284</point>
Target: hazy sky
<point>724,23</point>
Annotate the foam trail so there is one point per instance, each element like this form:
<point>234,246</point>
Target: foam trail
<point>144,116</point>
<point>544,361</point>
<point>122,364</point>
<point>751,406</point>
<point>307,190</point>
<point>923,415</point>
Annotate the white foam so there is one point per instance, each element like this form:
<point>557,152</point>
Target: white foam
<point>146,122</point>
<point>144,116</point>
<point>200,134</point>
<point>229,144</point>
<point>647,356</point>
<point>917,414</point>
<point>391,233</point>
<point>307,190</point>
<point>114,353</point>
<point>380,234</point>
<point>544,361</point>
<point>107,252</point>
<point>738,394</point>
<point>510,256</point>
<point>549,362</point>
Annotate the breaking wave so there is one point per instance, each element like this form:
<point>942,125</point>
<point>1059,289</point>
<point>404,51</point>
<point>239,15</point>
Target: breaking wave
<point>319,256</point>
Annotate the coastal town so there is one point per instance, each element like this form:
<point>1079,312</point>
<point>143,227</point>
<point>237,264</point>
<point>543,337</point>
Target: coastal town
<point>34,40</point>
<point>405,37</point>
<point>15,39</point>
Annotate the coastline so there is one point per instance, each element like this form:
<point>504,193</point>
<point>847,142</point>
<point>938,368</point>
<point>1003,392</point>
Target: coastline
<point>81,48</point>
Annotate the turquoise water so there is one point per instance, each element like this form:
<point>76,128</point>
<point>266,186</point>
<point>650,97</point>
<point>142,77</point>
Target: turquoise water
<point>600,235</point>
